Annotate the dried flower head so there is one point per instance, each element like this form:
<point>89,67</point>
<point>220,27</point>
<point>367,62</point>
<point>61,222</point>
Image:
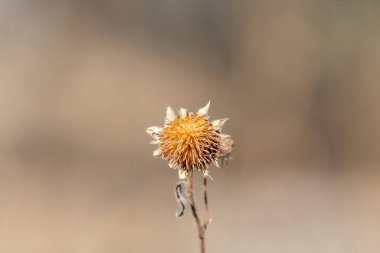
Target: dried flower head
<point>190,141</point>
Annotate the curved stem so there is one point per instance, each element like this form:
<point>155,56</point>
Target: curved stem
<point>205,198</point>
<point>201,228</point>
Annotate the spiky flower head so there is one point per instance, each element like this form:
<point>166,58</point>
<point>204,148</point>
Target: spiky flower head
<point>190,141</point>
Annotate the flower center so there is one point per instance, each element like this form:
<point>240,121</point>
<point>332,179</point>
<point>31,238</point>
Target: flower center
<point>189,142</point>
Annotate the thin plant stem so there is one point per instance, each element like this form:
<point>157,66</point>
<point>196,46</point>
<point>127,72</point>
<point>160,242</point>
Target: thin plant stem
<point>201,228</point>
<point>205,198</point>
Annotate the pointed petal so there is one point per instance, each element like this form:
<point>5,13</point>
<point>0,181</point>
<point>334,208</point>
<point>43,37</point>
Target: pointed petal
<point>157,152</point>
<point>183,112</point>
<point>203,111</point>
<point>153,131</point>
<point>181,174</point>
<point>170,114</point>
<point>218,124</point>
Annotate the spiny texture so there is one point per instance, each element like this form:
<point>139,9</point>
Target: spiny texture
<point>190,141</point>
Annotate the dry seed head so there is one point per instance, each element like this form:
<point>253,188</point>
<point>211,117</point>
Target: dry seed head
<point>189,141</point>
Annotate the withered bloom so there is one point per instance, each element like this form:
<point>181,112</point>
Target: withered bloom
<point>225,149</point>
<point>191,141</point>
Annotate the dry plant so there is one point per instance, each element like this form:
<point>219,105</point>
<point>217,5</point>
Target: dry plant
<point>192,142</point>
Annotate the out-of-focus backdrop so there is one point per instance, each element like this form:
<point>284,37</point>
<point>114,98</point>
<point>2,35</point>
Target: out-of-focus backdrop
<point>81,80</point>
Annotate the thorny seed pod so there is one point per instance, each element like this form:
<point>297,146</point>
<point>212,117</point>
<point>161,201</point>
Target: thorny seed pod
<point>190,141</point>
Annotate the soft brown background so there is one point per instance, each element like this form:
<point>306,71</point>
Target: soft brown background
<point>81,80</point>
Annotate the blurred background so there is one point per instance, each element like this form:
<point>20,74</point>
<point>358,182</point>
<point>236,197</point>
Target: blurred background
<point>81,80</point>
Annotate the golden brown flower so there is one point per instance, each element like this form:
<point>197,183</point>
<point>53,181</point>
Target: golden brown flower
<point>190,141</point>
